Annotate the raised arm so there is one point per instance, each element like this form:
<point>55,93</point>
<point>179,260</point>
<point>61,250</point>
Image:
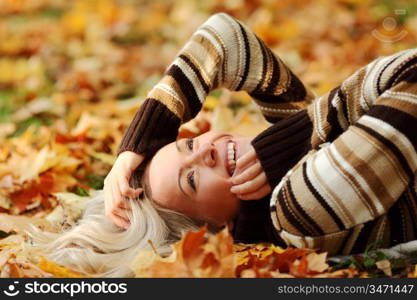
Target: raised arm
<point>221,53</point>
<point>325,200</point>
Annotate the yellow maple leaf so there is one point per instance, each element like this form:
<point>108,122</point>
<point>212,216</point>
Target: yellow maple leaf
<point>57,270</point>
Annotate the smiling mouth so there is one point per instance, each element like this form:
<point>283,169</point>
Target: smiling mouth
<point>231,157</point>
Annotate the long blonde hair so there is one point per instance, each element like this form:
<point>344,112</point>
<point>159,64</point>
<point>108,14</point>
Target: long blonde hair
<point>97,247</point>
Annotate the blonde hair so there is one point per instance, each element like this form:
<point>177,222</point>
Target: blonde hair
<point>97,247</point>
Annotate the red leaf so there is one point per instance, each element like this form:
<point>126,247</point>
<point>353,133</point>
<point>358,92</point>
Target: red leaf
<point>192,244</point>
<point>283,261</point>
<point>22,198</point>
<point>300,270</point>
<point>68,138</point>
<point>209,261</point>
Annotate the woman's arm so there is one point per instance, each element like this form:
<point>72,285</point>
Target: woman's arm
<point>221,53</point>
<point>326,198</point>
<point>365,127</point>
<point>283,144</point>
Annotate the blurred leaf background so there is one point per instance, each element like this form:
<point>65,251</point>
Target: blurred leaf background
<point>73,73</point>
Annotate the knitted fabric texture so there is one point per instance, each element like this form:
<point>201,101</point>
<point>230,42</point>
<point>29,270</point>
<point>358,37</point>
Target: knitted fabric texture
<point>221,53</point>
<point>357,183</point>
<point>341,167</point>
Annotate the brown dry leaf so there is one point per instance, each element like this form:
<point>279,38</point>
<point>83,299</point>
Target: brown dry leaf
<point>157,266</point>
<point>40,162</point>
<point>18,258</point>
<point>271,261</point>
<point>260,250</point>
<point>5,254</point>
<point>196,255</point>
<point>345,273</point>
<point>73,69</point>
<point>19,269</point>
<point>146,258</point>
<point>220,260</point>
<point>385,266</point>
<point>413,274</point>
<point>248,273</point>
<point>317,262</point>
<point>280,275</point>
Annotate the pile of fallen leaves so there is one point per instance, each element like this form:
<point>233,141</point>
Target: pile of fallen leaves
<point>202,255</point>
<point>197,254</point>
<point>73,73</point>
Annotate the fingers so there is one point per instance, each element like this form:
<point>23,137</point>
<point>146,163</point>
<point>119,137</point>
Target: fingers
<point>122,216</point>
<point>250,186</point>
<point>124,205</point>
<point>117,190</point>
<point>109,208</point>
<point>116,204</point>
<point>117,198</point>
<point>120,219</point>
<point>248,174</point>
<point>262,192</point>
<point>117,216</point>
<point>246,159</point>
<point>108,199</point>
<point>121,205</point>
<point>126,190</point>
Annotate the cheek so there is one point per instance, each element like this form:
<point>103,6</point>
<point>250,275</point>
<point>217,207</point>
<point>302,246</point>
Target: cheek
<point>215,184</point>
<point>215,194</point>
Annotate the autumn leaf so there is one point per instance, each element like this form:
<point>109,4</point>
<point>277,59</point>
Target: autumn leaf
<point>58,271</point>
<point>74,73</point>
<point>196,255</point>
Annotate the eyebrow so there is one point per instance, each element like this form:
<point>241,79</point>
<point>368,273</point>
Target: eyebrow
<point>181,170</point>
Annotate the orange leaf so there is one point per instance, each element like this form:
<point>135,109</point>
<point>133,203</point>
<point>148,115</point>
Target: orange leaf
<point>192,247</point>
<point>57,270</point>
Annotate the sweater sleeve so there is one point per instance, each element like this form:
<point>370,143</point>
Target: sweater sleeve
<point>253,224</point>
<point>324,200</point>
<point>221,53</point>
<point>284,143</point>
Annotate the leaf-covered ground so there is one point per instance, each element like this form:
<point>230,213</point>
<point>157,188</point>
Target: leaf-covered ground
<point>73,73</point>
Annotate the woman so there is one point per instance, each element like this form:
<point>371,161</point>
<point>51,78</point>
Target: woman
<point>341,168</point>
<point>337,198</point>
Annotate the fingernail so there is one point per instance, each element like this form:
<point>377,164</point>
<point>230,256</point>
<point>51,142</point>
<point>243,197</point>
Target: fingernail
<point>233,189</point>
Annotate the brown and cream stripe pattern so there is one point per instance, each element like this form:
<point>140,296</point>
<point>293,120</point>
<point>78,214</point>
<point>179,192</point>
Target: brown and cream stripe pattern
<point>341,167</point>
<point>360,186</point>
<point>221,53</point>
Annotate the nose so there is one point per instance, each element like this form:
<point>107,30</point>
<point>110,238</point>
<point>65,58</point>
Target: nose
<point>205,155</point>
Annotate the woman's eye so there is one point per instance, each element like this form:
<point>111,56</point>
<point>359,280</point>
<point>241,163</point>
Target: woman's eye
<point>191,181</point>
<point>190,144</point>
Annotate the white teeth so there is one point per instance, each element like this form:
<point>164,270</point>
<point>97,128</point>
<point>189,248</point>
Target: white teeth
<point>231,156</point>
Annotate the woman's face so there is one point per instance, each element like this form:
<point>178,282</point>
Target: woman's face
<point>193,176</point>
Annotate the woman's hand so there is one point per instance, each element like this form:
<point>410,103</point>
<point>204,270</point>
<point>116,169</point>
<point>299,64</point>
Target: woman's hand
<point>116,187</point>
<point>249,179</point>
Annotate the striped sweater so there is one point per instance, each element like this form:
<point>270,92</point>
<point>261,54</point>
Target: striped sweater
<point>341,166</point>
